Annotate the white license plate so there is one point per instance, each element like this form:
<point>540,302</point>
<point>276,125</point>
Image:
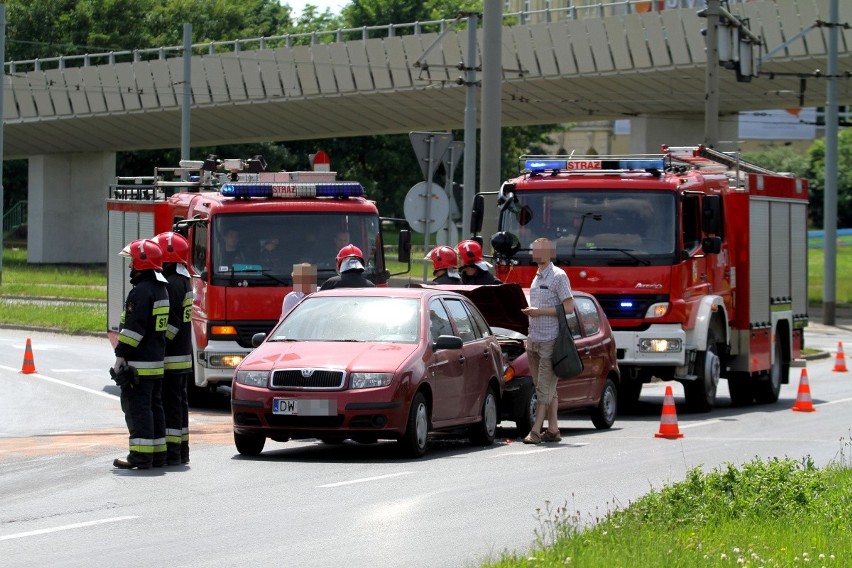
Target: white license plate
<point>304,407</point>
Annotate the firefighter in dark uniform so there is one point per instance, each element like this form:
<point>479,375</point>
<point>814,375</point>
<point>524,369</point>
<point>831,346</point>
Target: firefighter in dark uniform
<point>139,356</point>
<point>444,265</point>
<point>178,360</point>
<point>350,266</point>
<point>474,270</point>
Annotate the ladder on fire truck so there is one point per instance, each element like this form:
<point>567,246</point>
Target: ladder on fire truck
<point>708,158</point>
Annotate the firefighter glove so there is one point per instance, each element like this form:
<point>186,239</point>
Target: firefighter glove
<point>125,377</point>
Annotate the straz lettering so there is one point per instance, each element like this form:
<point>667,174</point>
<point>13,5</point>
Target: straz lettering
<point>584,165</point>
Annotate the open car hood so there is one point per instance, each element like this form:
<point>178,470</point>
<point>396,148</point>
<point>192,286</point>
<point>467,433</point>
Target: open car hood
<point>501,305</point>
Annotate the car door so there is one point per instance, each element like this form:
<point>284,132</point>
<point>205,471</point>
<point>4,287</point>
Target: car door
<point>478,357</point>
<point>591,347</point>
<point>446,368</point>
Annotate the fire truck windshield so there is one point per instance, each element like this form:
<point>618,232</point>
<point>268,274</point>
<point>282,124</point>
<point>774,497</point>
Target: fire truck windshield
<point>262,248</point>
<point>595,227</point>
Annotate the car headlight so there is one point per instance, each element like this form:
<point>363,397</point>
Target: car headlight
<point>369,380</point>
<point>659,345</point>
<point>252,378</point>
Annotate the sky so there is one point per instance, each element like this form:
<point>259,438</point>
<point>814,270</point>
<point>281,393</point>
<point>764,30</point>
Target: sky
<point>299,5</point>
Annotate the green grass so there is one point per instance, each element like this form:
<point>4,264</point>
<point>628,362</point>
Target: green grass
<point>816,270</point>
<point>779,512</point>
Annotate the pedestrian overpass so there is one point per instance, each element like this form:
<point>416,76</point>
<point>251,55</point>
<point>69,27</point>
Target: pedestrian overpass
<point>69,115</point>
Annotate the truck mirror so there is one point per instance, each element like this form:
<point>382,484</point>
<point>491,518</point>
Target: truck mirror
<point>711,215</point>
<point>404,254</point>
<point>711,245</point>
<point>477,213</point>
<point>257,339</point>
<point>505,244</point>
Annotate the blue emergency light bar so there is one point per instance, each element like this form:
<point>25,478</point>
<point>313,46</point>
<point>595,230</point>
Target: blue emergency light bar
<point>586,164</point>
<point>292,190</point>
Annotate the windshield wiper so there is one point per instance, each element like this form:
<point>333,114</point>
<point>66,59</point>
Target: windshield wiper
<point>638,260</point>
<point>593,215</point>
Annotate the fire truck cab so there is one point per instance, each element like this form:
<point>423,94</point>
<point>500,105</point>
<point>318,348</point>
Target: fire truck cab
<point>698,259</point>
<point>246,228</point>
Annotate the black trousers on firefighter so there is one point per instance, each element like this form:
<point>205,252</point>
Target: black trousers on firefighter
<point>176,407</point>
<point>143,413</point>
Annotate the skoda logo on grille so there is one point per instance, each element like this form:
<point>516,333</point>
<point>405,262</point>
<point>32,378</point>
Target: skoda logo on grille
<point>307,372</point>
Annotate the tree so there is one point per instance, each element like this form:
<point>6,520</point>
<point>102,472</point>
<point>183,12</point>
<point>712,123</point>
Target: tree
<point>816,175</point>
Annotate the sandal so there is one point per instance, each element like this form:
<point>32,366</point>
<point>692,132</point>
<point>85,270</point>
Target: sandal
<point>547,436</point>
<point>532,438</point>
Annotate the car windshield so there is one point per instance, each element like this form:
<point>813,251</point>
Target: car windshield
<point>352,318</point>
<point>600,226</point>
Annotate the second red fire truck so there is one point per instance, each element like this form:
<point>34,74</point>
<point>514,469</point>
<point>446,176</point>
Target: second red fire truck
<point>246,228</point>
<point>698,259</point>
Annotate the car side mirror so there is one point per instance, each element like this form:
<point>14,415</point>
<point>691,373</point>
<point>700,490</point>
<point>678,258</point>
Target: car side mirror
<point>711,245</point>
<point>257,339</point>
<point>447,342</point>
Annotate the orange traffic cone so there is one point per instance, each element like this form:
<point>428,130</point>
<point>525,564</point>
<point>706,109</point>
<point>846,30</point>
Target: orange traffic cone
<point>803,399</point>
<point>840,361</point>
<point>29,365</point>
<point>668,421</point>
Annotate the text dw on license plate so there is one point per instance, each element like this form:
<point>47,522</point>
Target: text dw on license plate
<point>304,407</point>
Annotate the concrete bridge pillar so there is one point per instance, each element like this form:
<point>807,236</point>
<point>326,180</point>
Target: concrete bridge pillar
<point>648,132</point>
<point>67,207</point>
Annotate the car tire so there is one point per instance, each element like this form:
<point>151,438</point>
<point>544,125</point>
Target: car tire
<point>603,415</point>
<point>249,444</point>
<point>700,394</point>
<point>415,441</point>
<point>741,389</point>
<point>483,432</point>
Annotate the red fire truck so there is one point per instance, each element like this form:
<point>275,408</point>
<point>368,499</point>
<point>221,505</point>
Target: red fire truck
<point>246,228</point>
<point>698,259</point>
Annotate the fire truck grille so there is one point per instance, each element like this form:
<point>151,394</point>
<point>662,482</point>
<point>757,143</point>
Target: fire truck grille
<point>617,306</point>
<point>316,379</point>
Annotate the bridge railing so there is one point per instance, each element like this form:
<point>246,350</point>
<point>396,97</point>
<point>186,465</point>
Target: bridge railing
<point>545,14</point>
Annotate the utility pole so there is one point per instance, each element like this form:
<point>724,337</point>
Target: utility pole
<point>830,198</point>
<point>2,89</point>
<point>185,110</point>
<point>469,172</point>
<point>491,118</point>
<point>711,80</point>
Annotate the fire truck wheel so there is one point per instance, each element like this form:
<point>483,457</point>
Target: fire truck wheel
<point>767,387</point>
<point>741,389</point>
<point>701,393</point>
<point>629,392</point>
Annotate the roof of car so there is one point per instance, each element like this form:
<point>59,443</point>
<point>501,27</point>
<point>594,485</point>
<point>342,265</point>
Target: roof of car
<point>382,292</point>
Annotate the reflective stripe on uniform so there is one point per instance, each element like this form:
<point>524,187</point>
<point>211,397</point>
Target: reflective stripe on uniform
<point>142,445</point>
<point>184,434</point>
<point>147,368</point>
<point>129,337</point>
<point>159,445</point>
<point>173,436</point>
<point>178,362</point>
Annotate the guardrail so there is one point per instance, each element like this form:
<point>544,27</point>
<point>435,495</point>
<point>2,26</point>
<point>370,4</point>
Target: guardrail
<point>15,216</point>
<point>548,14</point>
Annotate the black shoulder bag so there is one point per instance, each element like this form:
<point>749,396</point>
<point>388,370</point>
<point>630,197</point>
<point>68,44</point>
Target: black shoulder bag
<point>566,360</point>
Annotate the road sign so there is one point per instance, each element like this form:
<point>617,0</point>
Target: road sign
<point>452,157</point>
<point>420,142</point>
<point>414,207</point>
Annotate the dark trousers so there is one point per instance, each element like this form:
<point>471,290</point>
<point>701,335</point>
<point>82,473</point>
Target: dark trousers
<point>176,409</point>
<point>143,413</point>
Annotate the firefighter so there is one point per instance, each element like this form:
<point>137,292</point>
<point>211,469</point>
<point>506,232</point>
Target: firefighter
<point>474,270</point>
<point>444,265</point>
<point>350,266</point>
<point>140,354</point>
<point>178,359</point>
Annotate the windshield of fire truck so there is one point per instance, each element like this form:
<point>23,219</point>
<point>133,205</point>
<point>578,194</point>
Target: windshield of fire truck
<point>597,226</point>
<point>265,246</point>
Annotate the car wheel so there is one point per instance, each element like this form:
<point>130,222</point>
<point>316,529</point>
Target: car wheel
<point>701,393</point>
<point>249,444</point>
<point>603,415</point>
<point>484,432</point>
<point>767,387</point>
<point>415,441</point>
<point>526,417</point>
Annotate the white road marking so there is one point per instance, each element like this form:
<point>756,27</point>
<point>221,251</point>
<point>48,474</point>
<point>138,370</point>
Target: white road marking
<point>700,423</point>
<point>832,401</point>
<point>67,384</point>
<point>67,527</point>
<point>366,479</point>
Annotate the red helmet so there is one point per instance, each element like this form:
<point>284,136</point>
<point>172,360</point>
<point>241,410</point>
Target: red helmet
<point>144,254</point>
<point>470,252</point>
<point>443,257</point>
<point>174,247</point>
<point>347,251</point>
